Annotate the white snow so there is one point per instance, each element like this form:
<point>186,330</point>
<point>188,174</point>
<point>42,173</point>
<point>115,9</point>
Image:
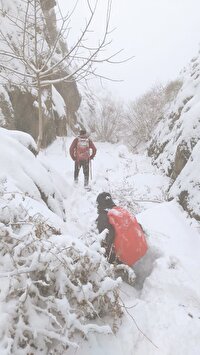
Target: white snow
<point>25,174</point>
<point>162,310</point>
<point>59,104</point>
<point>162,313</point>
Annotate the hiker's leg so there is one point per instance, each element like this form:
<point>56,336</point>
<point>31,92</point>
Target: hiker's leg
<point>86,172</point>
<point>76,171</point>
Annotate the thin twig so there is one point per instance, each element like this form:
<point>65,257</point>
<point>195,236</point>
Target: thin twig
<point>140,330</point>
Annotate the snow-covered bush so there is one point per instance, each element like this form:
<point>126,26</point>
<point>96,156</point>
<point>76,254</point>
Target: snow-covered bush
<point>103,117</point>
<point>144,113</point>
<point>52,286</point>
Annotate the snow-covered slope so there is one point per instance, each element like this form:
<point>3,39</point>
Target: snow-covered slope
<point>53,273</point>
<point>175,147</point>
<point>162,310</point>
<point>53,284</point>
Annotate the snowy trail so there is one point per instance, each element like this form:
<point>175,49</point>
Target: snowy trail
<point>165,302</point>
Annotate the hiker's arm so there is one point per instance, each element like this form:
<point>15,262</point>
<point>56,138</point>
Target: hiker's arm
<point>102,224</point>
<point>110,237</point>
<point>102,221</point>
<point>72,149</point>
<point>94,149</point>
<point>108,244</point>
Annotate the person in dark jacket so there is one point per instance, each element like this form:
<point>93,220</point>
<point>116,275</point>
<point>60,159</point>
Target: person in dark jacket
<point>125,241</point>
<point>104,204</point>
<point>82,150</point>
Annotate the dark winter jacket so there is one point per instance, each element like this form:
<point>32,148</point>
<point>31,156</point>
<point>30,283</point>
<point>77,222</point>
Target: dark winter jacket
<point>104,204</point>
<point>73,148</point>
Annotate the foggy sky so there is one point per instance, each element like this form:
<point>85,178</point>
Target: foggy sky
<point>163,35</point>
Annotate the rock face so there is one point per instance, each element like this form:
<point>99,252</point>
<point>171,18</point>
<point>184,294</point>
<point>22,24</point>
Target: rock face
<point>68,90</point>
<point>19,106</point>
<point>175,146</point>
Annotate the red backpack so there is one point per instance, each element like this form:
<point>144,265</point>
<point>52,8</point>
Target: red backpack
<point>83,148</point>
<point>130,243</point>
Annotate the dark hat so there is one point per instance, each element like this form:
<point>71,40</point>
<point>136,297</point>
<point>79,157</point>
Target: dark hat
<point>104,200</point>
<point>82,131</point>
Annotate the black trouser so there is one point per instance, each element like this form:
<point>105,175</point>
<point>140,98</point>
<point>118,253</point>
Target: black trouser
<point>85,165</point>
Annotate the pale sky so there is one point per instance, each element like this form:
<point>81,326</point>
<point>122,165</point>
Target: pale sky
<point>163,35</point>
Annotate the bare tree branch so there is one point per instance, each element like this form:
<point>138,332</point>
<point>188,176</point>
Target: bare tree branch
<point>46,62</point>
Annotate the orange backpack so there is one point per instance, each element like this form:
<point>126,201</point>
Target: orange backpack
<point>130,243</point>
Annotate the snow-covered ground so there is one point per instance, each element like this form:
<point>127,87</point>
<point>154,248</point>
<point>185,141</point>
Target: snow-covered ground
<point>162,311</point>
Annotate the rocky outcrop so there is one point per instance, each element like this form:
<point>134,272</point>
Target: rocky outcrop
<point>186,187</point>
<point>181,158</point>
<point>175,145</point>
<point>68,90</point>
<point>7,118</point>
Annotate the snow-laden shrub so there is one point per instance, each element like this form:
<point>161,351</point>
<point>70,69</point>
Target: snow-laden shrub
<point>53,288</point>
<point>103,117</point>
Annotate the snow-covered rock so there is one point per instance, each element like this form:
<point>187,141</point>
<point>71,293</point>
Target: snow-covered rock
<point>24,173</point>
<point>177,136</point>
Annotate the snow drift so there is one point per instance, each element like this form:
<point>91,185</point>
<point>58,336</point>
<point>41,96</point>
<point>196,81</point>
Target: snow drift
<point>24,173</point>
